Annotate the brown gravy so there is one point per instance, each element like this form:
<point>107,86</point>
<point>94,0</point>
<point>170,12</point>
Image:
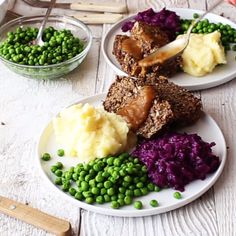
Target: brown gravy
<point>131,46</point>
<point>158,57</point>
<point>136,111</point>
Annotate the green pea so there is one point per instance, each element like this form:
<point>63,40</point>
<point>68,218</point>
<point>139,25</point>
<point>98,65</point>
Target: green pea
<point>46,156</point>
<point>100,199</point>
<point>111,191</point>
<point>89,200</point>
<point>59,165</point>
<point>157,189</point>
<point>151,186</point>
<point>79,196</point>
<point>177,195</point>
<point>137,192</point>
<point>154,203</point>
<point>128,200</point>
<point>129,192</point>
<point>58,173</point>
<point>107,184</point>
<point>95,190</point>
<point>58,181</point>
<point>195,16</point>
<point>138,205</point>
<point>97,167</point>
<point>72,191</point>
<point>87,194</point>
<point>103,191</point>
<point>87,178</point>
<point>100,185</point>
<point>65,187</point>
<point>117,162</point>
<point>84,186</point>
<point>122,189</point>
<point>92,183</point>
<point>139,185</point>
<point>110,161</point>
<point>75,176</point>
<point>128,178</point>
<point>99,178</point>
<point>54,169</point>
<point>114,198</point>
<point>60,152</point>
<point>115,204</point>
<point>107,198</point>
<point>144,191</point>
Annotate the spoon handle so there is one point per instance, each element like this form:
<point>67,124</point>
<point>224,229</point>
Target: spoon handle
<point>42,26</point>
<point>35,217</point>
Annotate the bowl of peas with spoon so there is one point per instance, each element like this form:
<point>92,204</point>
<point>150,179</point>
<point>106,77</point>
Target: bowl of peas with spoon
<point>66,43</point>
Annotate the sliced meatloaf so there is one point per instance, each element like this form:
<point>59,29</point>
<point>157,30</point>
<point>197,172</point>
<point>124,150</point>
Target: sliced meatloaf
<point>172,105</point>
<point>144,39</point>
<point>149,37</point>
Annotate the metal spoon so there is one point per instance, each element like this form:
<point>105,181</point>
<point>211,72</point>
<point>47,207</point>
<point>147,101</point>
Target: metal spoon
<point>175,48</point>
<point>39,41</point>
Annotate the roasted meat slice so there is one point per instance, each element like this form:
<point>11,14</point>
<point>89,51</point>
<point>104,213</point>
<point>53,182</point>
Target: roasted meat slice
<point>171,105</point>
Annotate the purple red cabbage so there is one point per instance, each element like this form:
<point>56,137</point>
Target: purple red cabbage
<point>174,160</point>
<point>165,19</point>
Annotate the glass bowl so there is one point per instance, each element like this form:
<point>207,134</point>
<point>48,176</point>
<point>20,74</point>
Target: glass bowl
<point>77,28</point>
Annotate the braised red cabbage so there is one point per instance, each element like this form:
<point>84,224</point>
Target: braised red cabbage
<point>165,19</point>
<point>174,160</point>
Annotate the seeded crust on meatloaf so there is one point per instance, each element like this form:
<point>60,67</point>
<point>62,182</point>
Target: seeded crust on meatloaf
<point>172,105</point>
<point>149,39</point>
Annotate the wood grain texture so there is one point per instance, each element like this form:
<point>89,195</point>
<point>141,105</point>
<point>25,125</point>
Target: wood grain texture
<point>26,105</point>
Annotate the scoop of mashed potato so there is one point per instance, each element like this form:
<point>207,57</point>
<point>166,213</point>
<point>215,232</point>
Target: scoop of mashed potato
<point>203,53</point>
<point>88,132</point>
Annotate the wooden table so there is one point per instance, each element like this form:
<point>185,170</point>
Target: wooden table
<point>26,105</point>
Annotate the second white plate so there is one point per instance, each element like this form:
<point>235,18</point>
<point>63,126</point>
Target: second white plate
<point>206,127</point>
<point>220,75</point>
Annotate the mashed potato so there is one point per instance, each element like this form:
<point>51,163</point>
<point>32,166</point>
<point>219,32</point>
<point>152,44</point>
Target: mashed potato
<point>203,53</point>
<point>88,132</point>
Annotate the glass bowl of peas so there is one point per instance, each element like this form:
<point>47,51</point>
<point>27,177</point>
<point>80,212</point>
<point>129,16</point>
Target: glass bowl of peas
<point>66,43</point>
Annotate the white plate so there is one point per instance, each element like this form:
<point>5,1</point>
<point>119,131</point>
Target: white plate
<point>206,127</point>
<point>220,75</point>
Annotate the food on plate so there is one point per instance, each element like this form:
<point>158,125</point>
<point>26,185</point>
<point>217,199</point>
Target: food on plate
<point>150,30</point>
<point>144,39</point>
<point>174,159</point>
<point>171,104</point>
<point>177,195</point>
<point>115,179</point>
<point>167,20</point>
<point>154,203</point>
<point>46,156</point>
<point>59,46</point>
<point>88,132</point>
<point>203,53</point>
<point>228,33</point>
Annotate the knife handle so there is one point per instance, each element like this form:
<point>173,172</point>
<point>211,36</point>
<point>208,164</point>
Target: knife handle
<point>99,7</point>
<point>35,217</point>
<point>98,18</point>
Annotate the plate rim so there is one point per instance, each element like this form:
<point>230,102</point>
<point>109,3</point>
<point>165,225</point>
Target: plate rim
<point>204,86</point>
<point>119,212</point>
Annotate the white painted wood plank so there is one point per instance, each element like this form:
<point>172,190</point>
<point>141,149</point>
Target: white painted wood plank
<point>26,105</point>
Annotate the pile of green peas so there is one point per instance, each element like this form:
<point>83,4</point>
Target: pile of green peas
<point>228,34</point>
<point>111,179</point>
<point>59,46</point>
